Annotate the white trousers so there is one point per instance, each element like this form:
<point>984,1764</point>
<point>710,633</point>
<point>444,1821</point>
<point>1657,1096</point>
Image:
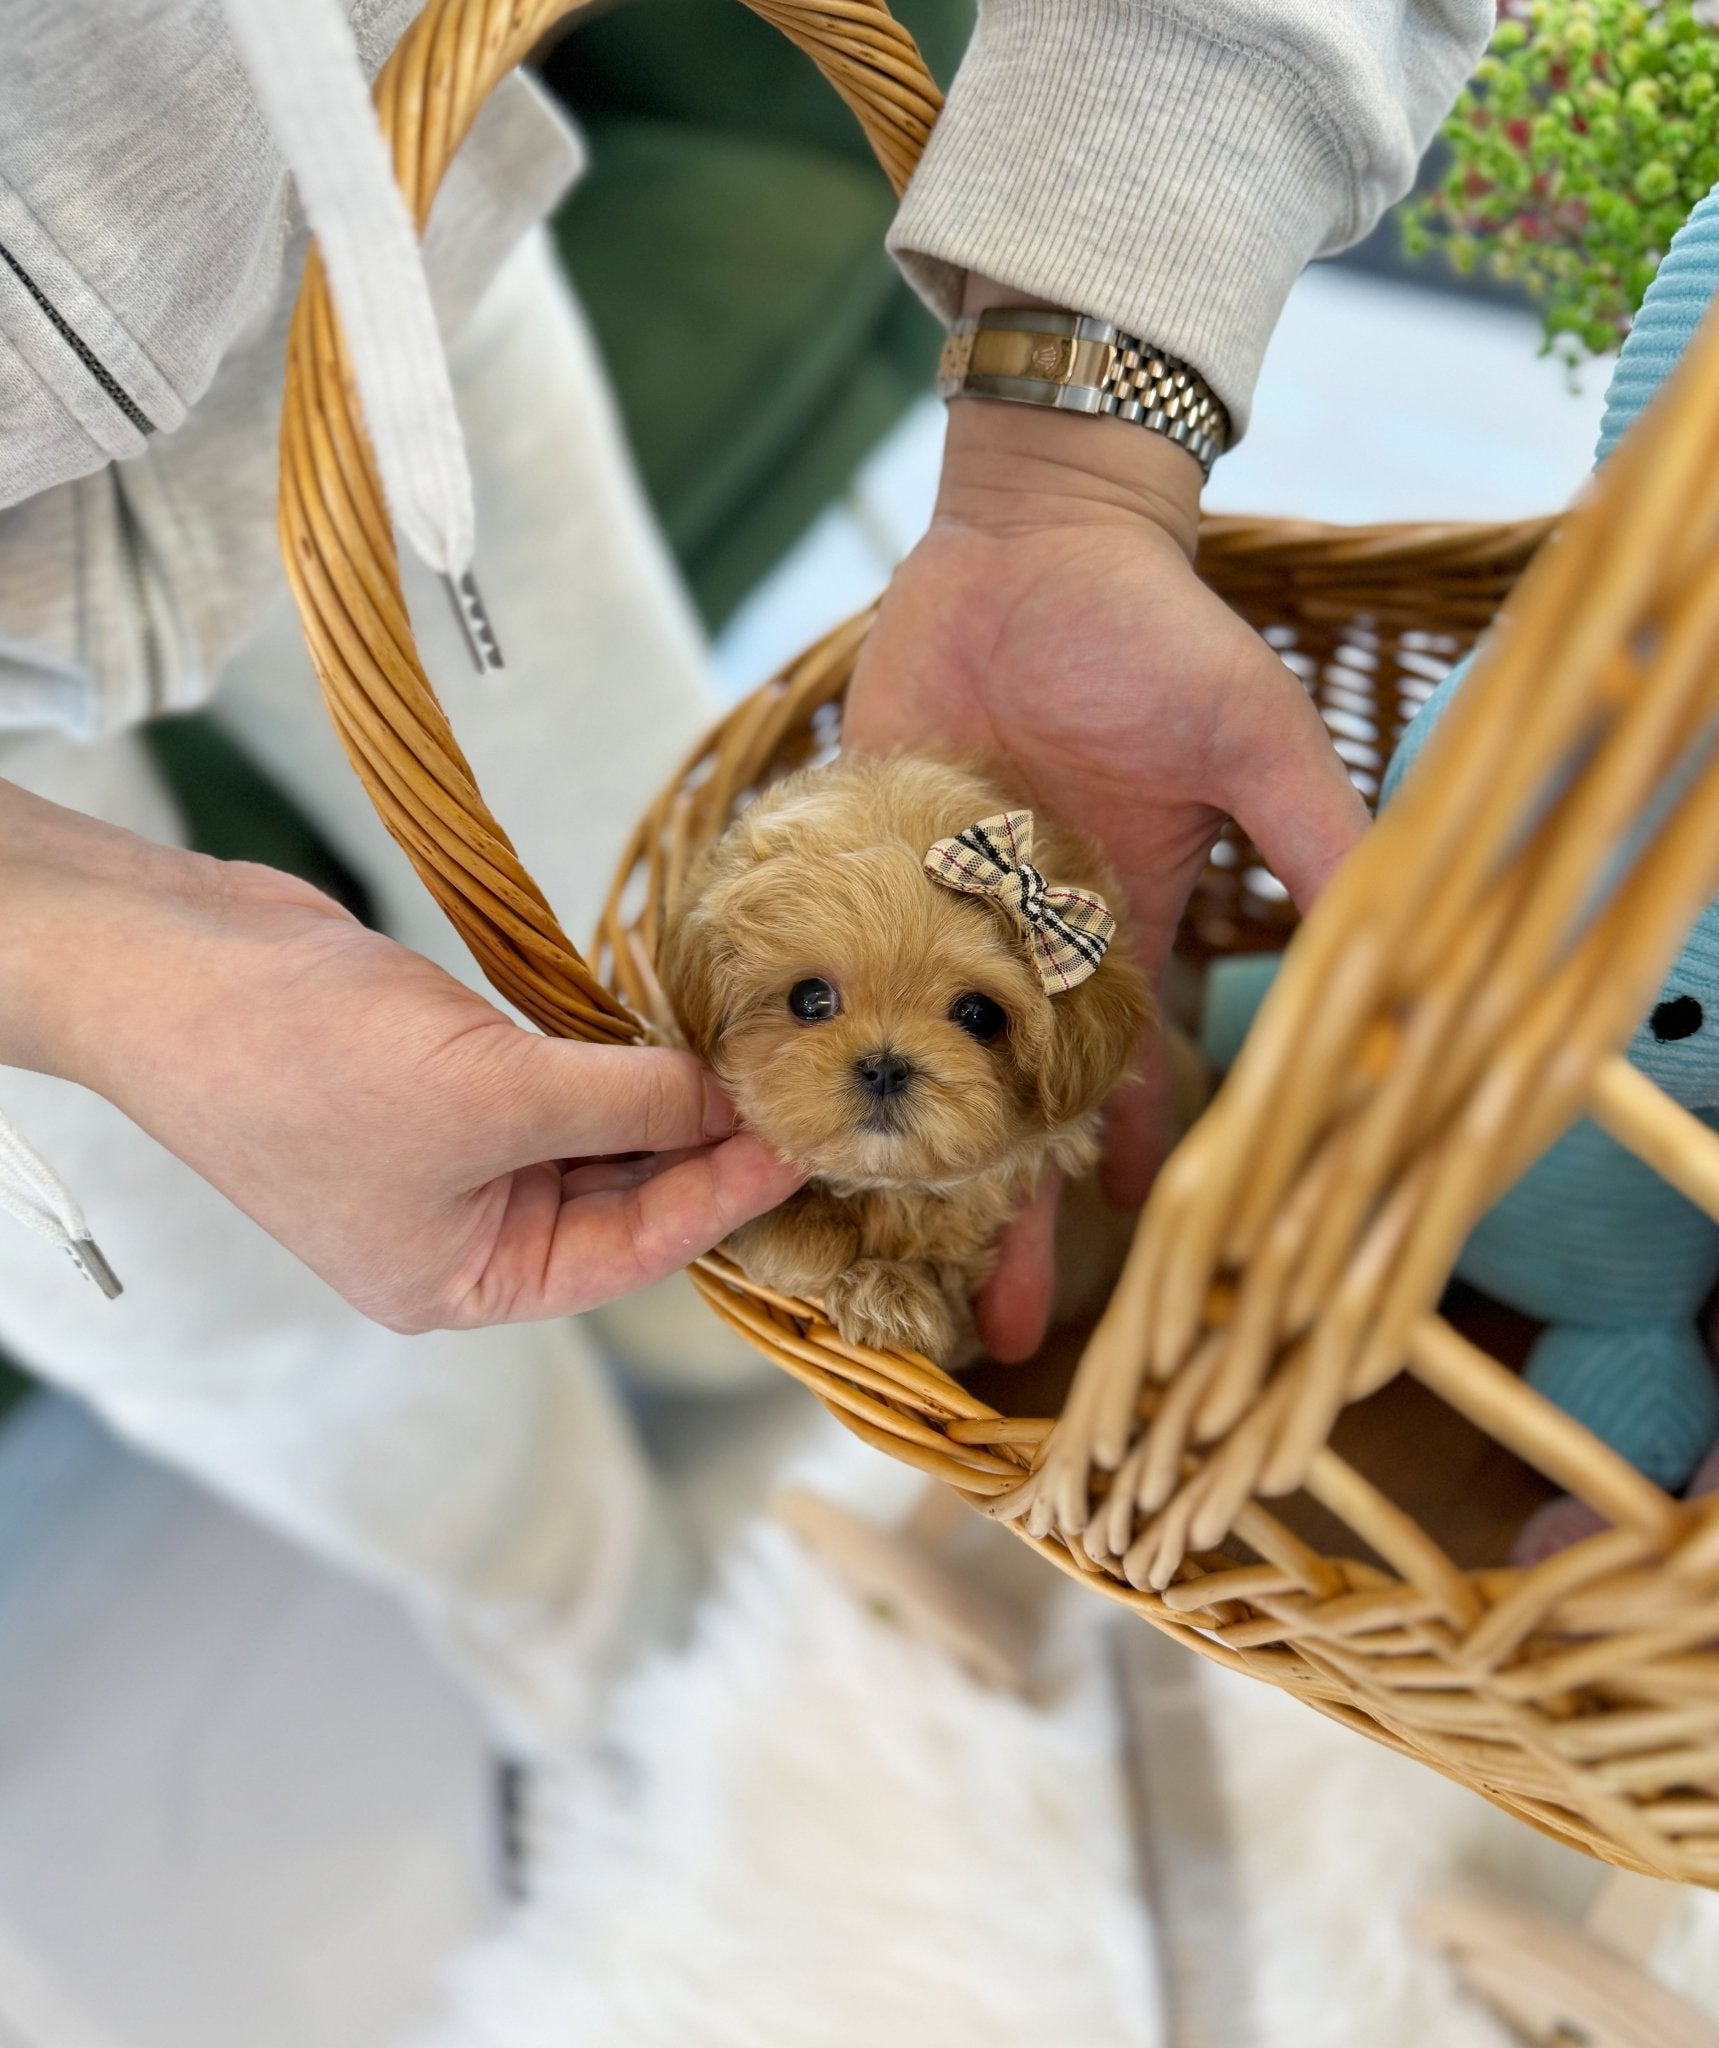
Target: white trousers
<point>489,1477</point>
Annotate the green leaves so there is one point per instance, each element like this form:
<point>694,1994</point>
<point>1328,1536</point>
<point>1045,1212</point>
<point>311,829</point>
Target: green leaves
<point>1588,131</point>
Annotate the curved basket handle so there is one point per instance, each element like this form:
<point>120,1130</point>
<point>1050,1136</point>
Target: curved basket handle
<point>335,533</point>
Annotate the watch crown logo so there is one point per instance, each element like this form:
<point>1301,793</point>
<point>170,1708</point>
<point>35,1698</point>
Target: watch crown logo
<point>1053,358</point>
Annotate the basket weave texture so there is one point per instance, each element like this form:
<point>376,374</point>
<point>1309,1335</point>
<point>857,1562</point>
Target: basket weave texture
<point>1444,1014</point>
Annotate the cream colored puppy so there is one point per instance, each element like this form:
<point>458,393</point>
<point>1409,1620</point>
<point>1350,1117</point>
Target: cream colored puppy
<point>920,996</point>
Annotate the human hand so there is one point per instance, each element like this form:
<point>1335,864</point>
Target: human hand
<point>1051,626</point>
<point>437,1165</point>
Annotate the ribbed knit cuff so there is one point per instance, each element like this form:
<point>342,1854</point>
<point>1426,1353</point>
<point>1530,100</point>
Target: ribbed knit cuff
<point>1110,157</point>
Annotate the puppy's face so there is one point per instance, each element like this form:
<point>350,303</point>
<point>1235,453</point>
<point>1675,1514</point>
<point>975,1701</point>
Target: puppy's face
<point>875,1027</point>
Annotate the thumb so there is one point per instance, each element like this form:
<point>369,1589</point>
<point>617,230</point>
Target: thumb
<point>565,1100</point>
<point>1014,1305</point>
<point>1293,797</point>
<point>1136,1127</point>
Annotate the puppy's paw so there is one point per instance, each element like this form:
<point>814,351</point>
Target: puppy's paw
<point>797,1247</point>
<point>893,1306</point>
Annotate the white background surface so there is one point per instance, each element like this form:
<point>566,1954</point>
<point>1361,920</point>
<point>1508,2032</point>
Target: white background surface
<point>239,1805</point>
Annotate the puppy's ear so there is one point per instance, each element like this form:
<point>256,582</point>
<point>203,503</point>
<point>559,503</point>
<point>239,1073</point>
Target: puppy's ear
<point>691,969</point>
<point>744,886</point>
<point>1094,1029</point>
<point>695,965</point>
<point>1095,1025</point>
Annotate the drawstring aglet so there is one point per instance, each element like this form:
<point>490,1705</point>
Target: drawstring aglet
<point>90,1260</point>
<point>469,609</point>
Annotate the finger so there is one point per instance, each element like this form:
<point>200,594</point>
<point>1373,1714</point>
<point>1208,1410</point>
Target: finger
<point>1136,1125</point>
<point>563,1100</point>
<point>1295,801</point>
<point>603,1176</point>
<point>1013,1307</point>
<point>609,1242</point>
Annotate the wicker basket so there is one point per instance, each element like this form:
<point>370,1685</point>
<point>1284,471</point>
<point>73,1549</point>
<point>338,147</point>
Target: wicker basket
<point>1275,1335</point>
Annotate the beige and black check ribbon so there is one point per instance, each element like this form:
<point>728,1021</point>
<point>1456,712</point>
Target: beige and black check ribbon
<point>1067,929</point>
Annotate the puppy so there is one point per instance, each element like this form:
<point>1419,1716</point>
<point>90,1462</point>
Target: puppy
<point>921,997</point>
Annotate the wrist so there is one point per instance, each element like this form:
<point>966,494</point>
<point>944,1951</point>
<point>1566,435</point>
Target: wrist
<point>1020,465</point>
<point>1017,469</point>
<point>80,897</point>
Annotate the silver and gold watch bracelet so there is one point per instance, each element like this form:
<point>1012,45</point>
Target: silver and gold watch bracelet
<point>1073,363</point>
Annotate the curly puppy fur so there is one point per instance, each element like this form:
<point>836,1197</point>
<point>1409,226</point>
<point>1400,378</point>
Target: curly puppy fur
<point>822,878</point>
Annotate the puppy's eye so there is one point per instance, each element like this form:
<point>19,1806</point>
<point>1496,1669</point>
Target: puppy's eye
<point>1681,1017</point>
<point>978,1016</point>
<point>813,1001</point>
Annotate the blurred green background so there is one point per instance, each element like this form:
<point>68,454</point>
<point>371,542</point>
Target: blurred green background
<point>727,243</point>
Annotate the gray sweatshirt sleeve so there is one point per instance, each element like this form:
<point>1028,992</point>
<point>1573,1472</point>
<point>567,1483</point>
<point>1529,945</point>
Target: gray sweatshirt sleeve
<point>1173,164</point>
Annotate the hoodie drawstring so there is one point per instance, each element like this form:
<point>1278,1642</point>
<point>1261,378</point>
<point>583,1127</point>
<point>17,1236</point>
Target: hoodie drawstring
<point>304,69</point>
<point>33,1193</point>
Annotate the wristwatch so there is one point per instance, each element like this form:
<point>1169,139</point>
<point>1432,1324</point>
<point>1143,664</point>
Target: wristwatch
<point>1074,363</point>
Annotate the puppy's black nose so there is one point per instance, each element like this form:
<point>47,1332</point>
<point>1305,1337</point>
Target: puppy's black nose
<point>883,1074</point>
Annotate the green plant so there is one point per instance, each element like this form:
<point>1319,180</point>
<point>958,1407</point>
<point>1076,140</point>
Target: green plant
<point>1589,130</point>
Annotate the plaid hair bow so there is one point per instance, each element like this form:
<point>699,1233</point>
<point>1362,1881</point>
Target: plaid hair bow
<point>1067,929</point>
